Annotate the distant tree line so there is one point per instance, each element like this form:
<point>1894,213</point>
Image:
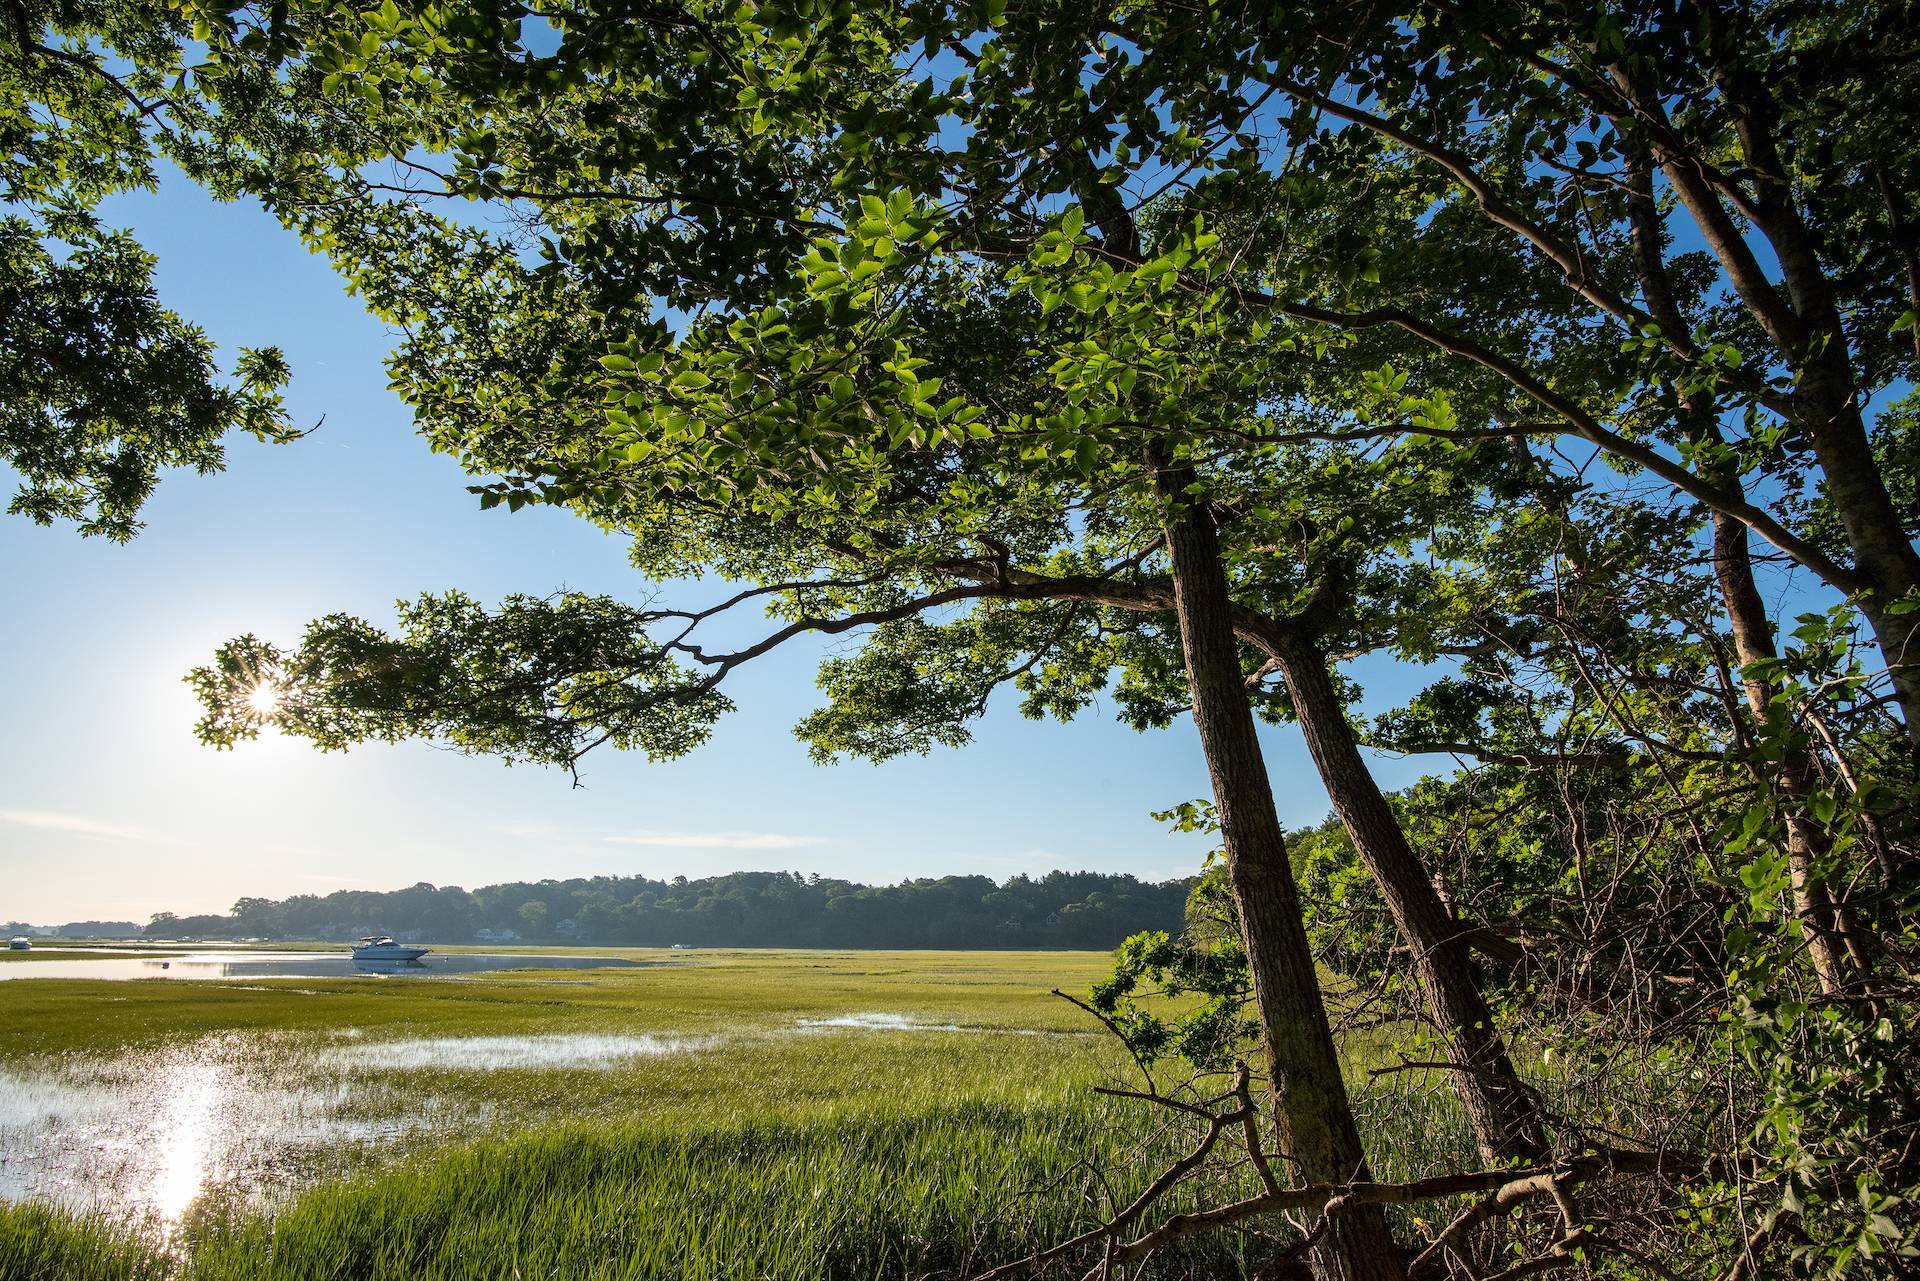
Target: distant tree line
<point>77,930</point>
<point>742,909</point>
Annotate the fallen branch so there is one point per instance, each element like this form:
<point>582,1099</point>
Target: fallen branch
<point>1502,1201</point>
<point>1504,1190</point>
<point>1109,1232</point>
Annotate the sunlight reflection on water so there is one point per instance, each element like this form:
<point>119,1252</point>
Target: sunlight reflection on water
<point>141,1136</point>
<point>144,1135</point>
<point>877,1022</point>
<point>224,964</point>
<point>492,1053</point>
<point>191,1091</point>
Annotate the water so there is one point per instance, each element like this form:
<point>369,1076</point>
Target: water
<point>878,1022</point>
<point>302,965</point>
<point>494,1053</point>
<point>141,1136</point>
<point>241,1119</point>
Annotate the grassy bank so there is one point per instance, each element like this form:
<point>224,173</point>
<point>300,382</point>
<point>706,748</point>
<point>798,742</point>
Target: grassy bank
<point>865,1194</point>
<point>868,1193</point>
<point>39,1243</point>
<point>774,1148</point>
<point>877,1193</point>
<point>714,991</point>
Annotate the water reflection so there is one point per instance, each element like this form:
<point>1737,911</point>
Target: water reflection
<point>497,1053</point>
<point>388,967</point>
<point>191,1091</point>
<point>877,1022</point>
<point>306,965</point>
<point>143,1135</point>
<point>148,1132</point>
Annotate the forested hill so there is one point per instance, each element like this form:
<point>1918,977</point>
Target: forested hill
<point>743,909</point>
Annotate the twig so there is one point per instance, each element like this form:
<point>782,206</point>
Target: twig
<point>1111,1026</point>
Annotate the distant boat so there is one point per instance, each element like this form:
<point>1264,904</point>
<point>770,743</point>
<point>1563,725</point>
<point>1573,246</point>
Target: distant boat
<point>21,944</point>
<point>381,947</point>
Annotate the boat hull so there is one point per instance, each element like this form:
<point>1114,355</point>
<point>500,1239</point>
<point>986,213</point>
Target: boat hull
<point>389,953</point>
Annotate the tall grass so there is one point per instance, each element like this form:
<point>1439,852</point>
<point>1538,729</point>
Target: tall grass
<point>40,1243</point>
<point>865,1194</point>
<point>857,1194</point>
<point>830,1157</point>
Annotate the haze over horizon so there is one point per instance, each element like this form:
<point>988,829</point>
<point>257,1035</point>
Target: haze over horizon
<point>1036,874</point>
<point>110,810</point>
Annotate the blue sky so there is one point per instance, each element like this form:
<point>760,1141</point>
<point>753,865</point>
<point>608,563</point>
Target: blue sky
<point>109,808</point>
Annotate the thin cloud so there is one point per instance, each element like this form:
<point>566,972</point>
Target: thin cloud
<point>530,831</point>
<point>718,840</point>
<point>47,820</point>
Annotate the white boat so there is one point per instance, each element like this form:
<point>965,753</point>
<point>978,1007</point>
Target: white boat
<point>381,947</point>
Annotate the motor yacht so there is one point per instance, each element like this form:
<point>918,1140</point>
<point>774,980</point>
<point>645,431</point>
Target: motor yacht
<point>381,947</point>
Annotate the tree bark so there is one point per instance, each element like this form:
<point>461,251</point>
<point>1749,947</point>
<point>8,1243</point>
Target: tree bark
<point>1881,548</point>
<point>1828,392</point>
<point>1806,840</point>
<point>1313,1121</point>
<point>1907,241</point>
<point>1804,327</point>
<point>1506,1121</point>
<point>1753,638</point>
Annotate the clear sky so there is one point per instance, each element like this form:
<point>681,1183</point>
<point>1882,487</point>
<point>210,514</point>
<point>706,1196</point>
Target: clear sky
<point>110,809</point>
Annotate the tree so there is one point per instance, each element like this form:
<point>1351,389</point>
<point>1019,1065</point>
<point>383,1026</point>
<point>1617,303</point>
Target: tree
<point>1756,119</point>
<point>911,367</point>
<point>257,916</point>
<point>101,386</point>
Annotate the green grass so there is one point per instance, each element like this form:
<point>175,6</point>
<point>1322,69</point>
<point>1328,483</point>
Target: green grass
<point>714,992</point>
<point>879,1192</point>
<point>864,1193</point>
<point>42,1244</point>
<point>827,1156</point>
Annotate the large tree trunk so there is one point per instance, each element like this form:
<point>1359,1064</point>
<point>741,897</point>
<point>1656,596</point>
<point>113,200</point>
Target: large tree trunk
<point>1806,840</point>
<point>1753,638</point>
<point>1312,1119</point>
<point>1881,549</point>
<point>1805,329</point>
<point>1505,1120</point>
<point>1827,396</point>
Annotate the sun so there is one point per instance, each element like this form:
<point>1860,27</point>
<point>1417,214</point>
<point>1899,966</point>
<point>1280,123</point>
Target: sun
<point>263,700</point>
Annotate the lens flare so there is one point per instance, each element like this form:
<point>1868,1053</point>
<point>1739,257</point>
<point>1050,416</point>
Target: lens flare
<point>263,700</point>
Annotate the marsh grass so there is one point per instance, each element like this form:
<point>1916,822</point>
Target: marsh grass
<point>778,1152</point>
<point>40,1243</point>
<point>870,1192</point>
<point>867,1193</point>
<point>864,1193</point>
<point>715,991</point>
